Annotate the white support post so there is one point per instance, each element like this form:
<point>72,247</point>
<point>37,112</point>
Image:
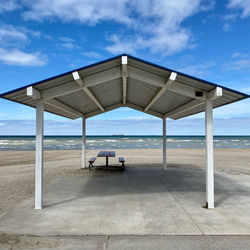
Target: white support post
<point>124,74</point>
<point>83,142</point>
<point>209,155</point>
<point>39,154</point>
<point>164,143</point>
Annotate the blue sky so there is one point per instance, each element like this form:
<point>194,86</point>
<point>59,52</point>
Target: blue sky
<point>43,38</point>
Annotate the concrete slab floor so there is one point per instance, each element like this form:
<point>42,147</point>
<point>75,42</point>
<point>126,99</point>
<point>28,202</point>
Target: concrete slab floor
<point>138,201</point>
<point>124,242</point>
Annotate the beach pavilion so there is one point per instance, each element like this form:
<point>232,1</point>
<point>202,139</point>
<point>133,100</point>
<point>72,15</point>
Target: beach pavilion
<point>124,81</point>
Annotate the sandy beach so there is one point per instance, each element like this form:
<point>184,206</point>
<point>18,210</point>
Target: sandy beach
<point>17,167</point>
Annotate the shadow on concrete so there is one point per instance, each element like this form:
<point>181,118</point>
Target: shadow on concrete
<point>186,181</point>
<point>142,200</point>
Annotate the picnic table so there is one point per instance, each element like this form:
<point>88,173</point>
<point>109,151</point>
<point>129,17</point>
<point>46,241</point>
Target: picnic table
<point>106,154</point>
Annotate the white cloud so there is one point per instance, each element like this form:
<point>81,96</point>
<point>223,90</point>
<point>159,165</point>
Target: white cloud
<point>238,109</point>
<point>121,45</point>
<point>8,5</point>
<point>20,58</point>
<point>88,11</point>
<point>92,54</point>
<point>237,8</point>
<point>66,39</point>
<point>17,37</point>
<point>156,24</point>
<point>11,36</point>
<point>226,27</point>
<point>68,43</point>
<point>158,28</point>
<point>243,5</point>
<point>239,55</point>
<point>10,33</point>
<point>240,62</point>
<point>230,17</point>
<point>198,69</point>
<point>12,42</point>
<point>239,65</point>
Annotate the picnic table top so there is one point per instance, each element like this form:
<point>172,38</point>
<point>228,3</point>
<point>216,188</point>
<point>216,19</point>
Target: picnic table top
<point>106,154</point>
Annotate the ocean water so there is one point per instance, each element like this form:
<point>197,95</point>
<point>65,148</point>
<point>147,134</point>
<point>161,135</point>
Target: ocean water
<point>120,142</point>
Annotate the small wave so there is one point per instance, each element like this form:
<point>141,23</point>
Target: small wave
<point>18,143</point>
<point>110,140</point>
<point>46,140</point>
<point>171,140</point>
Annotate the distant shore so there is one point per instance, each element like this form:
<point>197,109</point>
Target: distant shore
<point>17,167</point>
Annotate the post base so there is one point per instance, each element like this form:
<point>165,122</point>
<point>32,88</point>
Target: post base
<point>208,207</point>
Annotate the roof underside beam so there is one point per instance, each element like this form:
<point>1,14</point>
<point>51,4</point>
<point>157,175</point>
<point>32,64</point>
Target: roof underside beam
<point>60,90</point>
<point>168,83</point>
<point>118,105</point>
<point>139,108</point>
<point>59,105</point>
<point>178,112</point>
<point>109,108</point>
<point>159,81</point>
<point>184,108</point>
<point>80,82</point>
<point>124,78</point>
<point>35,94</point>
<point>72,86</point>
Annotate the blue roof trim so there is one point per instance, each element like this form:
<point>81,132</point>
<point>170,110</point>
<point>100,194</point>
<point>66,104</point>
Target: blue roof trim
<point>132,57</point>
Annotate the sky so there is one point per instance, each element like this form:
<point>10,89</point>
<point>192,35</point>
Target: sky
<point>206,39</point>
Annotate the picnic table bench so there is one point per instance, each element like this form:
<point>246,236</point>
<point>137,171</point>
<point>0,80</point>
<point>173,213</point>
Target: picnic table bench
<point>106,154</point>
<point>91,161</point>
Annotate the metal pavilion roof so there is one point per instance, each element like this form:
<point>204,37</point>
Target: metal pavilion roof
<point>121,81</point>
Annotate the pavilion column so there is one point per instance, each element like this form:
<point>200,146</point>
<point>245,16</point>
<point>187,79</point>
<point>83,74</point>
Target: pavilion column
<point>209,155</point>
<point>164,143</point>
<point>83,142</point>
<point>39,154</point>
